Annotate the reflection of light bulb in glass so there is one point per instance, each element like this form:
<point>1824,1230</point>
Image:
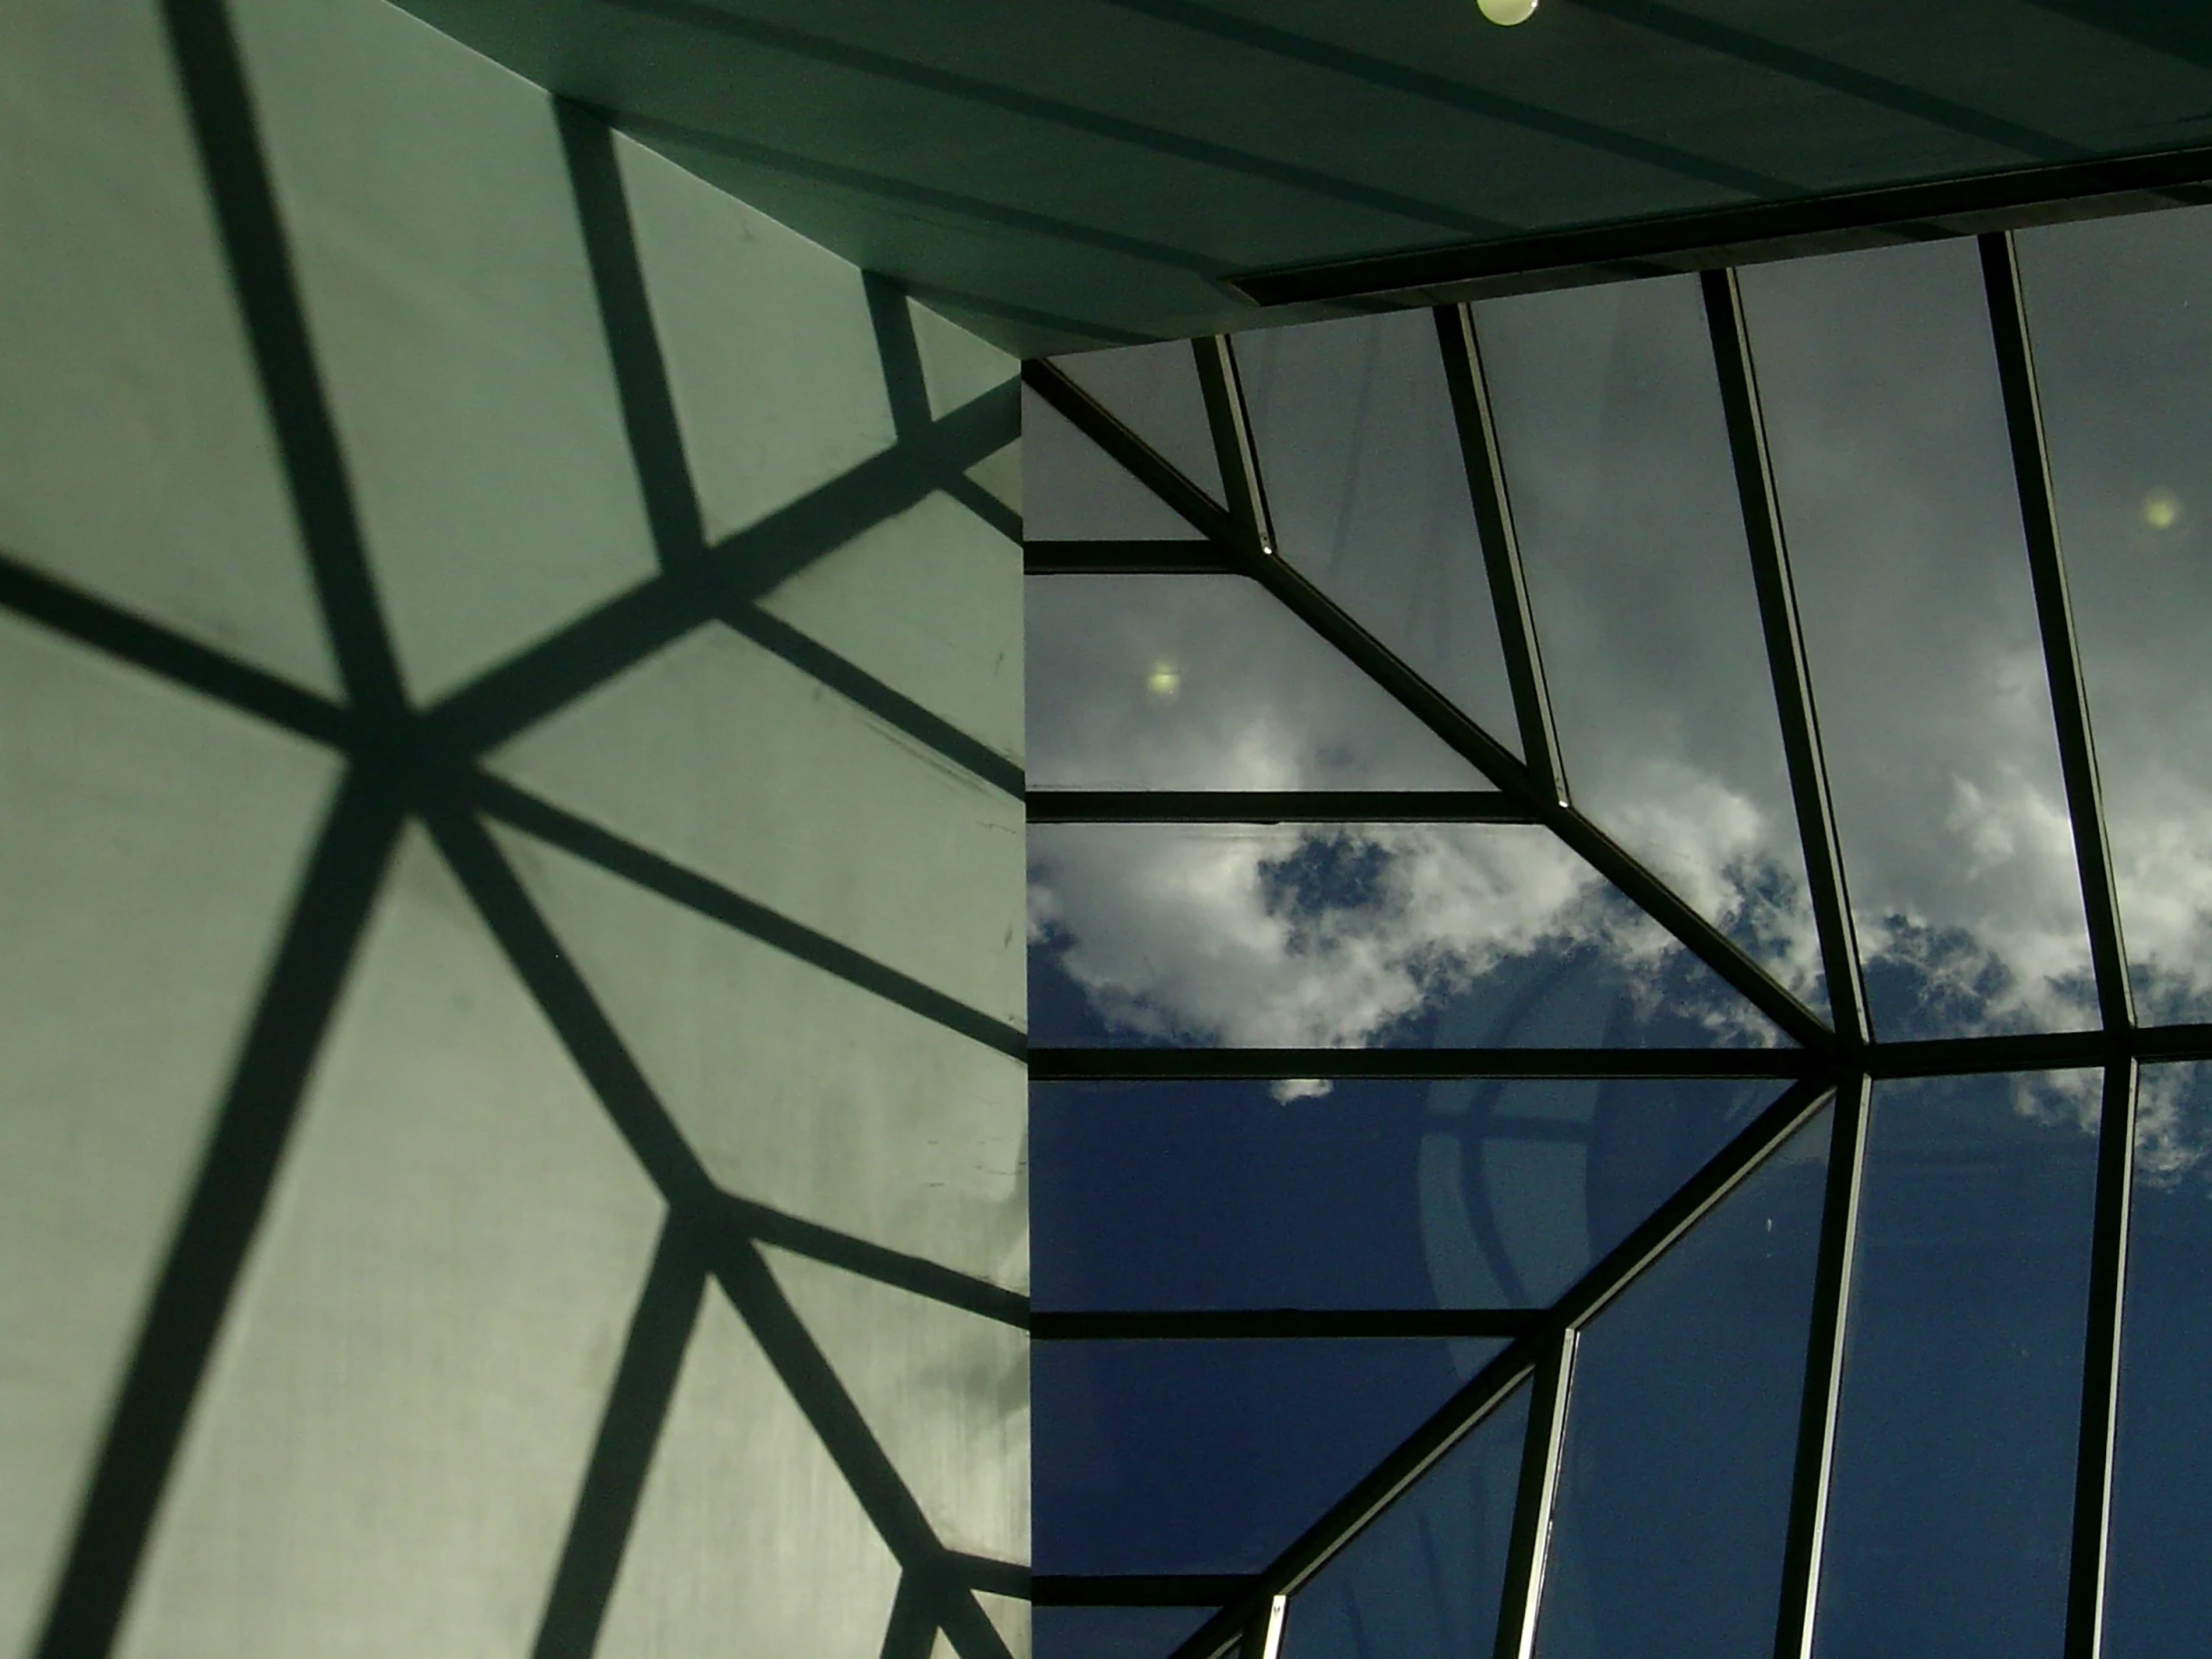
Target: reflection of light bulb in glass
<point>1163,682</point>
<point>2161,510</point>
<point>1508,12</point>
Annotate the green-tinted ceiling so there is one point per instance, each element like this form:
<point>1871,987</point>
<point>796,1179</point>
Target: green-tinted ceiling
<point>1071,172</point>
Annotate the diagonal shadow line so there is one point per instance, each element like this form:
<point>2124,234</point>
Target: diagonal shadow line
<point>629,1431</point>
<point>632,344</point>
<point>1072,117</point>
<point>184,1314</point>
<point>836,1418</point>
<point>883,187</point>
<point>1440,89</point>
<point>1815,70</point>
<point>898,352</point>
<point>745,566</point>
<point>987,507</point>
<point>79,616</point>
<point>222,111</point>
<point>911,1633</point>
<point>916,1275</point>
<point>711,899</point>
<point>861,688</point>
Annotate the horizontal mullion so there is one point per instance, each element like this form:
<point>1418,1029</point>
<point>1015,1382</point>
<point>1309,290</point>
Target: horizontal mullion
<point>1275,806</point>
<point>1280,1323</point>
<point>1130,558</point>
<point>1052,1063</point>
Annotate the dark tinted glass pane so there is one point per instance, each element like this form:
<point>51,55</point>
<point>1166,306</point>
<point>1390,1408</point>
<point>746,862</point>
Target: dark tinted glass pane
<point>1368,489</point>
<point>1210,1456</point>
<point>1352,936</point>
<point>1154,389</point>
<point>1897,498</point>
<point>1072,491</point>
<point>1205,682</point>
<point>2123,361</point>
<point>2159,1598</point>
<point>1423,1580</point>
<point>1112,1632</point>
<point>1950,1509</point>
<point>1378,1194</point>
<point>1681,1436</point>
<point>1632,541</point>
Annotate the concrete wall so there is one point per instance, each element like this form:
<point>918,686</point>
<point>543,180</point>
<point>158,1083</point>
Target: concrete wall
<point>510,882</point>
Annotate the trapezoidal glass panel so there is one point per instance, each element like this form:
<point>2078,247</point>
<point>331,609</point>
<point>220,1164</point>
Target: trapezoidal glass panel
<point>2124,364</point>
<point>1951,1507</point>
<point>1154,391</point>
<point>1631,534</point>
<point>1210,1456</point>
<point>1207,683</point>
<point>1341,935</point>
<point>1367,486</point>
<point>1681,1434</point>
<point>1072,491</point>
<point>1379,1194</point>
<point>1423,1580</point>
<point>1893,471</point>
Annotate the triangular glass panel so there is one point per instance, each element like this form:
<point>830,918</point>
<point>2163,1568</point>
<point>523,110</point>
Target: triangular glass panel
<point>1210,1456</point>
<point>1631,532</point>
<point>1355,935</point>
<point>1072,491</point>
<point>1384,1192</point>
<point>1423,1581</point>
<point>1207,683</point>
<point>1676,1466</point>
<point>1155,392</point>
<point>1367,486</point>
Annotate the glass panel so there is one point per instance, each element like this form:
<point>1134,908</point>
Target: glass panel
<point>1210,1456</point>
<point>1112,1632</point>
<point>1379,1194</point>
<point>1352,936</point>
<point>1632,539</point>
<point>1424,1579</point>
<point>1368,489</point>
<point>2159,1597</point>
<point>2122,342</point>
<point>1952,1504</point>
<point>1072,491</point>
<point>1896,481</point>
<point>1155,392</point>
<point>1681,1436</point>
<point>1205,682</point>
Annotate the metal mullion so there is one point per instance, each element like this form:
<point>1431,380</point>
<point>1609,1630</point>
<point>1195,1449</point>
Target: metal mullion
<point>1234,448</point>
<point>1528,1552</point>
<point>2055,617</point>
<point>1130,558</point>
<point>1824,1369</point>
<point>1785,643</point>
<point>1275,806</point>
<point>1516,625</point>
<point>2100,1373</point>
<point>1145,463</point>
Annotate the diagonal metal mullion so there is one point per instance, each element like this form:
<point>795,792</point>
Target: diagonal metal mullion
<point>1236,451</point>
<point>1824,1369</point>
<point>1786,661</point>
<point>1137,457</point>
<point>2069,701</point>
<point>2100,1373</point>
<point>1493,514</point>
<point>1529,1548</point>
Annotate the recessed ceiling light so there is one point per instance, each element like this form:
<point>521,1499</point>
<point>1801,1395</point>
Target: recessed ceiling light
<point>1508,12</point>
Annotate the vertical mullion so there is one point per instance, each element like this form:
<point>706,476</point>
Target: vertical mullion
<point>1262,1637</point>
<point>1234,449</point>
<point>1530,1548</point>
<point>1824,1369</point>
<point>2069,701</point>
<point>1784,642</point>
<point>2101,1370</point>
<point>1516,625</point>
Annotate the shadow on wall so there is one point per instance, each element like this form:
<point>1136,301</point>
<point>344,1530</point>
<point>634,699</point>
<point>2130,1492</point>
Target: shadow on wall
<point>755,1235</point>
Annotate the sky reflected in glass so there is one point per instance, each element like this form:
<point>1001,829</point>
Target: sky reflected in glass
<point>1112,1632</point>
<point>1352,936</point>
<point>1367,490</point>
<point>1155,392</point>
<point>1072,491</point>
<point>1880,387</point>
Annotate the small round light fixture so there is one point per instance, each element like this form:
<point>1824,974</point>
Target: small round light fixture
<point>1163,682</point>
<point>1508,12</point>
<point>2161,510</point>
